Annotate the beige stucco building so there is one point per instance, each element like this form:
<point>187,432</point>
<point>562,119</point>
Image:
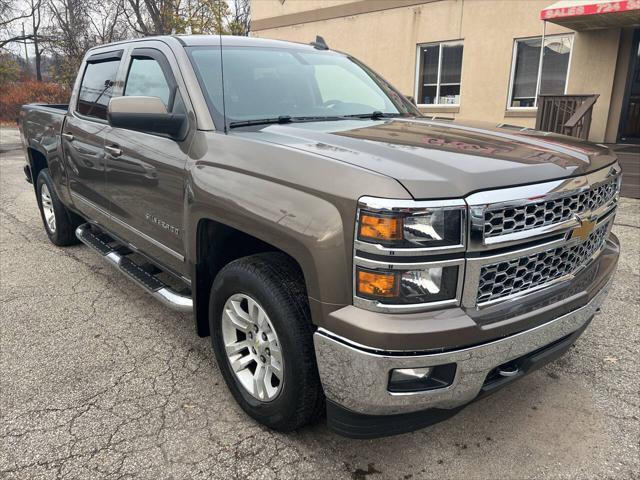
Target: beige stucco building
<point>481,59</point>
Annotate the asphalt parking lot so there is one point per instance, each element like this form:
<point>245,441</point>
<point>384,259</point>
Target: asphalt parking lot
<point>98,380</point>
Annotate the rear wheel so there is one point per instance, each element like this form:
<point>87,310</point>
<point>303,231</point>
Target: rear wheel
<point>262,338</point>
<point>59,222</point>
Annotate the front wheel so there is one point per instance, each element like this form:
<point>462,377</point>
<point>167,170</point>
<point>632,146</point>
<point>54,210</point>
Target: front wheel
<point>262,338</point>
<point>59,222</point>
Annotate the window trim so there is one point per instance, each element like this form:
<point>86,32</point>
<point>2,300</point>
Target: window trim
<point>438,84</point>
<point>512,74</point>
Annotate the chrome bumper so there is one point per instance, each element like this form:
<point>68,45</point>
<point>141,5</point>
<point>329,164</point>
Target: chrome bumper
<point>357,379</point>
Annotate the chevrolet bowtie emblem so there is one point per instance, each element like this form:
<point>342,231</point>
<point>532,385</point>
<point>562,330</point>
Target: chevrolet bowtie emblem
<point>583,231</point>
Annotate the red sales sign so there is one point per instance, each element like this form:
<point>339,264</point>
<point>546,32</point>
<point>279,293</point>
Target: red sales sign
<point>595,8</point>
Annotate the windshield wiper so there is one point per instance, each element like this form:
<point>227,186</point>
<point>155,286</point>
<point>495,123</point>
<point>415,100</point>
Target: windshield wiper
<point>374,115</point>
<point>261,121</point>
<point>283,119</point>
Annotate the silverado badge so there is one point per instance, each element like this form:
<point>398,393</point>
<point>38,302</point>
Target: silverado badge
<point>161,223</point>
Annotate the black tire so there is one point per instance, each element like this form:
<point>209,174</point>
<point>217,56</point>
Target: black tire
<point>66,221</point>
<point>276,282</point>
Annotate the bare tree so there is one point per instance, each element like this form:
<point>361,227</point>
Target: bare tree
<point>240,17</point>
<point>36,21</point>
<point>107,21</point>
<point>10,17</point>
<point>63,30</point>
<point>149,17</point>
<point>165,17</point>
<point>70,37</point>
<point>10,14</point>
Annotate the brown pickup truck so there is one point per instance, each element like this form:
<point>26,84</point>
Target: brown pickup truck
<point>346,255</point>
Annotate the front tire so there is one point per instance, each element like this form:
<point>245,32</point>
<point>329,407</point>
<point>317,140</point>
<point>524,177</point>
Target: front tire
<point>263,340</point>
<point>59,222</point>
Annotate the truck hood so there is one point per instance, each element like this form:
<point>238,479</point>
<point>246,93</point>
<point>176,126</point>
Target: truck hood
<point>440,158</point>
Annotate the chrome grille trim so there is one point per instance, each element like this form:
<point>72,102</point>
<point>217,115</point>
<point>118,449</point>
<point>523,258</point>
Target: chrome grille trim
<point>504,221</point>
<point>519,198</point>
<point>528,273</point>
<point>474,266</point>
<point>529,246</point>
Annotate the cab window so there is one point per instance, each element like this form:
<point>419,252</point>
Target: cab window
<point>96,88</point>
<point>146,78</point>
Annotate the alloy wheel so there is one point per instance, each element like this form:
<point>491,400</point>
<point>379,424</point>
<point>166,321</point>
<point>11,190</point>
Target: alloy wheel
<point>252,347</point>
<point>47,208</point>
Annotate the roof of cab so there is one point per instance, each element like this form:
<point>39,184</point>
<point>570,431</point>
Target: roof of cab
<point>213,40</point>
<point>233,41</point>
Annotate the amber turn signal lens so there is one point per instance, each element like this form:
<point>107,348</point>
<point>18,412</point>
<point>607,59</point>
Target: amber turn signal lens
<point>374,284</point>
<point>380,228</point>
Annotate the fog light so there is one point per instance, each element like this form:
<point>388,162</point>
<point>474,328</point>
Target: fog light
<point>403,380</point>
<point>409,379</point>
<point>410,374</point>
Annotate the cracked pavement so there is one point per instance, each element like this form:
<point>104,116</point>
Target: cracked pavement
<point>100,381</point>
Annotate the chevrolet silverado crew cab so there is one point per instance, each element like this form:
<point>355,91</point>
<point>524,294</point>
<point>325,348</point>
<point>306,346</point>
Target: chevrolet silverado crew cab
<point>347,255</point>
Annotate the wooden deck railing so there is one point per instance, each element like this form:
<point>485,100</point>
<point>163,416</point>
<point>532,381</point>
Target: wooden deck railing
<point>566,114</point>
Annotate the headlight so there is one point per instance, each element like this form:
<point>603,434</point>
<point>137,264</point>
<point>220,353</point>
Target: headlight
<point>388,232</point>
<point>427,284</point>
<point>430,225</point>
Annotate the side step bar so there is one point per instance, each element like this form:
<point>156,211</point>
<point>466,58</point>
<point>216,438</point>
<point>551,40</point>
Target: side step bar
<point>148,282</point>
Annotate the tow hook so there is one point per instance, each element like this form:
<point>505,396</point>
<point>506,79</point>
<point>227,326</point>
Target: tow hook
<point>510,369</point>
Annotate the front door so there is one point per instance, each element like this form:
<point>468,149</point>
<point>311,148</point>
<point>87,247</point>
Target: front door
<point>145,173</point>
<point>630,120</point>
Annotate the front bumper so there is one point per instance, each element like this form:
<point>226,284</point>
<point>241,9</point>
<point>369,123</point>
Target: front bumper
<point>357,380</point>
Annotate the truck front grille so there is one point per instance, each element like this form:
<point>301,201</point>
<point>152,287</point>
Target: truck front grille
<point>509,277</point>
<point>502,221</point>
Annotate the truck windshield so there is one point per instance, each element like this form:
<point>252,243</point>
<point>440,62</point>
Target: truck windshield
<point>274,83</point>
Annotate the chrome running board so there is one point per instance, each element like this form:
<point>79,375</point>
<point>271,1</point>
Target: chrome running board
<point>148,281</point>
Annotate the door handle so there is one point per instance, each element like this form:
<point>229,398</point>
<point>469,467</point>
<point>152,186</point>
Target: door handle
<point>68,136</point>
<point>113,150</point>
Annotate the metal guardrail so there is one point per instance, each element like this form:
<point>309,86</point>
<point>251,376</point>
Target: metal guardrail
<point>566,114</point>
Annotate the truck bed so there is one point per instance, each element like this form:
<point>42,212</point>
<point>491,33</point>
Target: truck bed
<point>42,124</point>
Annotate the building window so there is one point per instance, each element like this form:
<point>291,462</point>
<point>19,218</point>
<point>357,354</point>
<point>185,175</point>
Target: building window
<point>532,76</point>
<point>438,74</point>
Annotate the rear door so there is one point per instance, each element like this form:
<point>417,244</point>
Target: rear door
<point>83,134</point>
<point>146,172</point>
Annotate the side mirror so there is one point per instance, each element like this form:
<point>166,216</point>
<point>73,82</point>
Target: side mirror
<point>146,114</point>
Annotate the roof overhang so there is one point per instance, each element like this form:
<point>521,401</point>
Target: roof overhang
<point>592,14</point>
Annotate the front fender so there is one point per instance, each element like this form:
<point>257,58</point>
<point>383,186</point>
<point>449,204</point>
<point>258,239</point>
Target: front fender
<point>301,203</point>
<point>308,228</point>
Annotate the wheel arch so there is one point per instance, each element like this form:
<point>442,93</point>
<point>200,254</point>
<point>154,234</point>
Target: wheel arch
<point>218,244</point>
<point>37,162</point>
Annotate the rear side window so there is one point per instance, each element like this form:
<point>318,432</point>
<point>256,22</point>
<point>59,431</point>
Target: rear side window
<point>146,78</point>
<point>97,87</point>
